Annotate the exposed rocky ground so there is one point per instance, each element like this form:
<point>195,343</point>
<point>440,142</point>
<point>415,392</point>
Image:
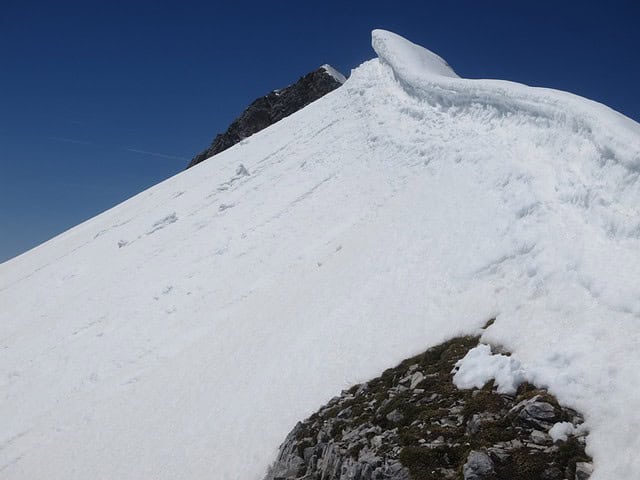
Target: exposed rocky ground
<point>413,423</point>
<point>273,107</point>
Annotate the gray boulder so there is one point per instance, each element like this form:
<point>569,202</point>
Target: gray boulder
<point>478,466</point>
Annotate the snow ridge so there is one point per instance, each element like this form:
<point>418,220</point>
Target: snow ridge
<point>428,76</point>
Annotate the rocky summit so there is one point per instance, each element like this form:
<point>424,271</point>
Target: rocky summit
<point>273,107</point>
<point>414,423</point>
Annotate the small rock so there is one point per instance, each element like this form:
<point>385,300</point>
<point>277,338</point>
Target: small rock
<point>541,411</point>
<point>376,442</point>
<point>345,413</point>
<point>367,471</point>
<point>362,388</point>
<point>498,453</point>
<point>307,453</point>
<point>395,416</point>
<point>432,397</point>
<point>375,429</point>
<point>447,422</point>
<point>536,412</point>
<point>448,473</point>
<point>416,378</point>
<point>384,403</point>
<point>552,473</point>
<point>541,448</point>
<point>474,424</point>
<point>438,442</point>
<point>479,466</point>
<point>514,444</point>
<point>540,438</point>
<point>456,409</point>
<point>583,470</point>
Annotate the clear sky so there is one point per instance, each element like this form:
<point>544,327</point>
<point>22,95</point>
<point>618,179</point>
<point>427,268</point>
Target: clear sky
<point>102,99</point>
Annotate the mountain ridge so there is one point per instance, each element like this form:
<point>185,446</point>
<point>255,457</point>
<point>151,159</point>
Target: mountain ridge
<point>184,332</point>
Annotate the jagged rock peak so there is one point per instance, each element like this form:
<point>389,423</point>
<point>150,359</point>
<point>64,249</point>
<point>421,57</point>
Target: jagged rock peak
<point>334,73</point>
<point>273,107</point>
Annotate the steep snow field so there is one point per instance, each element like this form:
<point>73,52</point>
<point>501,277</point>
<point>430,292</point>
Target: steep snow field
<point>183,333</point>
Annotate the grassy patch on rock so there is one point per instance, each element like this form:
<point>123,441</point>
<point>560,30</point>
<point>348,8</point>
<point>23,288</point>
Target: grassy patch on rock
<point>413,422</point>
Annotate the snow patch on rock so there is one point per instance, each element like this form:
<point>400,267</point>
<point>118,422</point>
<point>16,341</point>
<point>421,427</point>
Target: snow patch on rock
<point>479,366</point>
<point>334,73</point>
<point>562,431</point>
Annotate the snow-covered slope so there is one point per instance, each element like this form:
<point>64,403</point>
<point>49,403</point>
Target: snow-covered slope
<point>184,332</point>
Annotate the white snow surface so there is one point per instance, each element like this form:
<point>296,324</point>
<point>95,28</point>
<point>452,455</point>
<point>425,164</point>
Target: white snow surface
<point>184,332</point>
<point>479,366</point>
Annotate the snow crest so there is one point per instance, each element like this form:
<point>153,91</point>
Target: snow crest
<point>426,75</point>
<point>407,59</point>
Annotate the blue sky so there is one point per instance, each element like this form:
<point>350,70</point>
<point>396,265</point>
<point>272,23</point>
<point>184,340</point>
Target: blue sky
<point>100,100</point>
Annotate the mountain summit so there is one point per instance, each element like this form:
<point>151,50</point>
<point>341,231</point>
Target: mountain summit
<point>273,107</point>
<point>185,332</point>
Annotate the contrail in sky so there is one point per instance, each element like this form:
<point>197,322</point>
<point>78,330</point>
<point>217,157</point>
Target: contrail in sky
<point>128,149</point>
<point>69,140</point>
<point>155,154</point>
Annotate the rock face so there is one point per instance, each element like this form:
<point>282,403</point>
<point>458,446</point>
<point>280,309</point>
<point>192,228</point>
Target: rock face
<point>274,106</point>
<point>413,423</point>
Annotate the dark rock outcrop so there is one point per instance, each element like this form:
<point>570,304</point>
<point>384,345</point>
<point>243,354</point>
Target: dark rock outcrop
<point>414,423</point>
<point>274,106</point>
